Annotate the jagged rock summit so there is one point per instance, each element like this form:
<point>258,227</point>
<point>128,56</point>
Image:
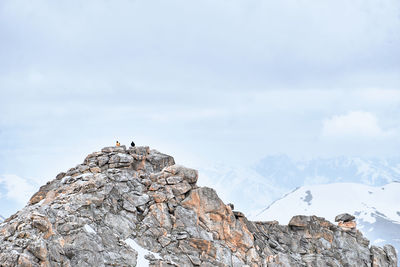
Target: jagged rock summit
<point>135,207</point>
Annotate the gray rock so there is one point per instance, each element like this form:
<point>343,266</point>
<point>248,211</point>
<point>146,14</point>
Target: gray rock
<point>159,161</point>
<point>344,217</point>
<point>111,149</point>
<point>300,221</point>
<point>174,179</point>
<point>181,188</point>
<point>190,175</point>
<point>391,254</point>
<point>102,160</point>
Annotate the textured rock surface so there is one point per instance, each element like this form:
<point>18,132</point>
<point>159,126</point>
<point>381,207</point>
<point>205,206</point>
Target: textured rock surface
<point>345,217</point>
<point>119,203</point>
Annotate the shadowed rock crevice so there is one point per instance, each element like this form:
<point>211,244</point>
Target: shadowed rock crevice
<point>102,211</point>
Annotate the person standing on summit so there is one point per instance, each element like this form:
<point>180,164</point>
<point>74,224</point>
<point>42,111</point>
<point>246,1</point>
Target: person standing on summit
<point>133,144</point>
<point>118,143</point>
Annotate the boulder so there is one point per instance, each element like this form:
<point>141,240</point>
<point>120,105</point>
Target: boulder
<point>344,217</point>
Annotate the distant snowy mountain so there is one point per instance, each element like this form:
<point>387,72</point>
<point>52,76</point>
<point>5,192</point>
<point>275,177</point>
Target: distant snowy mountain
<point>290,173</point>
<point>250,188</point>
<point>2,219</point>
<point>242,186</point>
<point>376,209</point>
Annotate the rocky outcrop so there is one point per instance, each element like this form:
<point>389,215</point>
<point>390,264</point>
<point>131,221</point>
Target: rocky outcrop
<point>346,221</point>
<point>129,207</point>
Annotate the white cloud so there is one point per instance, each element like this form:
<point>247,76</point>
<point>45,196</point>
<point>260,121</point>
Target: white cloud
<point>17,188</point>
<point>353,124</point>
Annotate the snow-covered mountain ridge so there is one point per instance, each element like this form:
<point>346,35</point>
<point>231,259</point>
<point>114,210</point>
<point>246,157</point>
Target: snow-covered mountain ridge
<point>329,199</point>
<point>253,187</point>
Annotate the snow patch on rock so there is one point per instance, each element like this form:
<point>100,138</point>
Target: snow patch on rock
<point>141,261</point>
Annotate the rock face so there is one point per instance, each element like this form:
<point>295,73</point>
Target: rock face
<point>136,207</point>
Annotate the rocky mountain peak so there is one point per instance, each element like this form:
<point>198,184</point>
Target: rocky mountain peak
<point>136,207</point>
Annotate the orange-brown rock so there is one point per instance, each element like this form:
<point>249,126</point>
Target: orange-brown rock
<point>347,226</point>
<point>24,261</point>
<point>203,245</point>
<point>219,218</point>
<point>38,196</point>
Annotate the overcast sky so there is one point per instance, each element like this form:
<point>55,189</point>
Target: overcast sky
<point>204,81</point>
